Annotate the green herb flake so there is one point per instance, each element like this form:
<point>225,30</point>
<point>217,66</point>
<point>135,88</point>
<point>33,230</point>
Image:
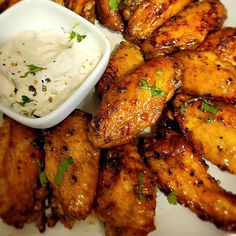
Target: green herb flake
<point>140,186</point>
<point>63,167</point>
<point>153,89</point>
<point>114,4</point>
<point>43,178</point>
<point>212,109</point>
<point>159,73</point>
<point>24,100</point>
<point>171,198</point>
<point>32,69</point>
<point>78,36</point>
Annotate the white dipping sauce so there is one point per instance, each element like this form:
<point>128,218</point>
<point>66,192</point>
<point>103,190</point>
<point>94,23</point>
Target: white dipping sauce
<point>63,65</point>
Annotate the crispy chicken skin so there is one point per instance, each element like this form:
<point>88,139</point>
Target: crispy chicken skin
<point>74,198</point>
<point>180,169</point>
<point>206,75</point>
<point>108,17</point>
<point>134,102</point>
<point>186,30</point>
<point>21,196</point>
<point>84,8</point>
<point>126,196</point>
<point>124,59</point>
<point>149,15</point>
<point>223,43</point>
<point>4,4</point>
<point>213,135</point>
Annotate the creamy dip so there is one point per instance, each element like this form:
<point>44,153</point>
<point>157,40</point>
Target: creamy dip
<point>40,69</point>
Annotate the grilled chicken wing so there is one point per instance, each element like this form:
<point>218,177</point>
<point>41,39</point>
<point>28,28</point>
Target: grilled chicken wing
<point>180,169</point>
<point>125,59</point>
<point>84,8</point>
<point>74,187</point>
<point>211,126</point>
<point>4,4</point>
<point>21,196</point>
<point>223,43</point>
<point>109,17</point>
<point>134,102</point>
<point>149,15</point>
<point>186,30</point>
<point>126,196</point>
<point>205,74</point>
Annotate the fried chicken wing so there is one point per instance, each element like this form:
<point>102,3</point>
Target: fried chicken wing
<point>134,102</point>
<point>149,15</point>
<point>126,196</point>
<point>109,17</point>
<point>180,169</point>
<point>21,196</point>
<point>125,58</point>
<point>211,126</point>
<point>74,188</point>
<point>186,30</point>
<point>223,43</point>
<point>84,8</point>
<point>206,75</point>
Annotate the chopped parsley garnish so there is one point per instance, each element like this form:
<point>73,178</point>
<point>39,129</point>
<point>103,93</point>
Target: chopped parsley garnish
<point>76,35</point>
<point>153,89</point>
<point>32,69</point>
<point>159,73</point>
<point>24,100</point>
<point>63,167</point>
<point>43,178</point>
<point>140,186</point>
<point>171,198</point>
<point>212,109</point>
<point>114,4</point>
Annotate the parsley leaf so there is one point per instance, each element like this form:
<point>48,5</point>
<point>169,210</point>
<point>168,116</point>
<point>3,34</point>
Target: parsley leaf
<point>63,167</point>
<point>207,107</point>
<point>140,186</point>
<point>43,178</point>
<point>32,69</point>
<point>24,99</point>
<point>114,4</point>
<point>153,89</point>
<point>159,73</point>
<point>171,198</point>
<point>78,36</point>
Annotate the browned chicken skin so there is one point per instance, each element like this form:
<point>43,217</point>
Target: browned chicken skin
<point>213,134</point>
<point>151,14</point>
<point>186,30</point>
<point>134,102</point>
<point>124,59</point>
<point>180,169</point>
<point>21,196</point>
<point>223,43</point>
<point>207,75</point>
<point>73,198</point>
<point>126,196</point>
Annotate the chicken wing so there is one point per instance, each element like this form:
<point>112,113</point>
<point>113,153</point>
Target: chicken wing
<point>126,196</point>
<point>211,126</point>
<point>206,75</point>
<point>223,43</point>
<point>134,102</point>
<point>21,196</point>
<point>180,170</point>
<point>71,165</point>
<point>126,58</point>
<point>108,16</point>
<point>149,15</point>
<point>84,8</point>
<point>186,30</point>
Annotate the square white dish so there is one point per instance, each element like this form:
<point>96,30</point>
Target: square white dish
<point>47,15</point>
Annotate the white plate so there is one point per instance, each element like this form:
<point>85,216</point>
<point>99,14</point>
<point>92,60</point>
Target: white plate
<point>170,220</point>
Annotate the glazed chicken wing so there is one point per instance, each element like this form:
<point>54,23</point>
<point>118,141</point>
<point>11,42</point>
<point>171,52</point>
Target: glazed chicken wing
<point>180,169</point>
<point>84,8</point>
<point>151,14</point>
<point>126,196</point>
<point>71,166</point>
<point>21,196</point>
<point>211,126</point>
<point>206,75</point>
<point>186,30</point>
<point>134,102</point>
<point>125,58</point>
<point>223,43</point>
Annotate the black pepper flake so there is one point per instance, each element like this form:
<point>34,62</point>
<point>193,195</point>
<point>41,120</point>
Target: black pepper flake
<point>4,64</point>
<point>48,80</point>
<point>31,88</point>
<point>50,99</point>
